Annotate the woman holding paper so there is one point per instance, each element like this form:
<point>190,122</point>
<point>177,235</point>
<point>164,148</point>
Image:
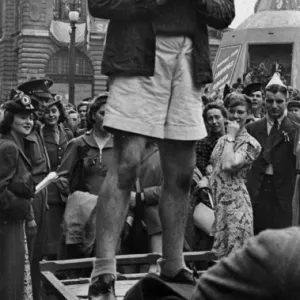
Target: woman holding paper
<point>16,193</point>
<point>56,137</point>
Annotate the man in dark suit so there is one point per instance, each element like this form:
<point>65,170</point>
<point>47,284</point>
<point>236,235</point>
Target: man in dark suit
<point>272,177</point>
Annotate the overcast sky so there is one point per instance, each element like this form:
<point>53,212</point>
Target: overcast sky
<point>244,8</point>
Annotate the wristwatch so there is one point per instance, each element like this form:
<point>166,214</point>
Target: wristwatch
<point>230,139</point>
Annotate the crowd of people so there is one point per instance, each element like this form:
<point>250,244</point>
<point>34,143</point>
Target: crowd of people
<point>149,167</point>
<point>238,162</point>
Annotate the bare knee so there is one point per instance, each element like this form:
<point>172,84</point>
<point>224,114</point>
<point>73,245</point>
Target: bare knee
<point>178,167</point>
<point>129,150</point>
<point>179,181</point>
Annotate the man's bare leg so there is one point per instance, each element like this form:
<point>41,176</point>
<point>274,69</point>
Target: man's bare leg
<point>112,207</point>
<point>178,161</point>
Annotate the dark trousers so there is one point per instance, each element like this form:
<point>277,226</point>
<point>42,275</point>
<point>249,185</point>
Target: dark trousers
<point>12,257</point>
<point>36,243</point>
<point>268,212</point>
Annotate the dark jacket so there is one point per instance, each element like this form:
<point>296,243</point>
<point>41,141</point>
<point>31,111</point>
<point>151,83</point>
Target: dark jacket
<point>282,158</point>
<point>36,152</point>
<point>82,164</point>
<point>130,40</point>
<point>16,183</point>
<point>55,153</point>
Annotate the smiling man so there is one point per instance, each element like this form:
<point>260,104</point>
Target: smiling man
<point>272,177</point>
<point>255,92</point>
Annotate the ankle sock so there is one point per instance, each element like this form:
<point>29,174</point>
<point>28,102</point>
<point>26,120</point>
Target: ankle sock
<point>104,266</point>
<point>171,266</point>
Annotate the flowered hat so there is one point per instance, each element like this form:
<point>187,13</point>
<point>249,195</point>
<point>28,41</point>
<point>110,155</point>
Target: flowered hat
<point>20,103</point>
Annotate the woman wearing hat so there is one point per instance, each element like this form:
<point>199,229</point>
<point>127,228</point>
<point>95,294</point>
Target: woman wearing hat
<point>16,192</point>
<point>56,138</point>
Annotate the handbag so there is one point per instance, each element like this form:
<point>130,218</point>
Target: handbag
<point>204,216</point>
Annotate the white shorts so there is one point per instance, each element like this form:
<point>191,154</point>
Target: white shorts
<point>165,106</point>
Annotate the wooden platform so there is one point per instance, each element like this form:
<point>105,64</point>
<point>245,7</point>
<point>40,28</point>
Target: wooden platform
<point>80,290</point>
<point>75,289</point>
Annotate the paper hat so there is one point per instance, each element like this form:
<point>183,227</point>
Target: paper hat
<point>275,80</point>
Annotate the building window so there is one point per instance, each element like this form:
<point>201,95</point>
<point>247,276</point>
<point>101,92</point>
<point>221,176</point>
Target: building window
<point>18,16</point>
<point>61,9</point>
<point>59,64</point>
<point>58,70</point>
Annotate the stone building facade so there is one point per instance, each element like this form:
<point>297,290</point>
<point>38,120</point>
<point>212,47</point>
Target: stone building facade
<point>34,43</point>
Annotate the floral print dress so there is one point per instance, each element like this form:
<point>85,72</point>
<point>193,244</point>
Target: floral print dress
<point>233,210</point>
<point>27,294</point>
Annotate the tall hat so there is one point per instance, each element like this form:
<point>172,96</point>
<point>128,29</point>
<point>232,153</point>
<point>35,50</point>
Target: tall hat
<point>252,88</point>
<point>275,80</point>
<point>20,103</point>
<point>38,88</point>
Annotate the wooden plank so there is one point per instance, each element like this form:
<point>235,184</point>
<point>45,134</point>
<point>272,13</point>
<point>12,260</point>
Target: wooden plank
<point>122,286</point>
<point>69,264</point>
<point>149,258</point>
<point>59,289</point>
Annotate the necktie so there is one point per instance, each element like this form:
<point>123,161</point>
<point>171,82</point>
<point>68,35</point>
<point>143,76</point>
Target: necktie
<point>275,128</point>
<point>270,141</point>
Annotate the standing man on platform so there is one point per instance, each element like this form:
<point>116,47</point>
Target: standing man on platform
<point>272,177</point>
<point>157,58</point>
<point>36,152</point>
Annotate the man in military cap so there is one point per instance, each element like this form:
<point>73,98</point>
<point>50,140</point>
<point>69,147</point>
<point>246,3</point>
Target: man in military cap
<point>37,154</point>
<point>39,90</point>
<point>293,107</point>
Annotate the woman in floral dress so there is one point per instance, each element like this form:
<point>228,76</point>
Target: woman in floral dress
<point>231,159</point>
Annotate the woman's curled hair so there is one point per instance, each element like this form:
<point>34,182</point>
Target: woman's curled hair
<point>94,106</point>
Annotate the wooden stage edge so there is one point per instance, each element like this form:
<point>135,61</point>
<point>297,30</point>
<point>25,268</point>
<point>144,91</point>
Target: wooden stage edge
<point>76,289</point>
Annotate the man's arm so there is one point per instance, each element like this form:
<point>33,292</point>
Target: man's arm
<point>123,10</point>
<point>216,13</point>
<point>266,268</point>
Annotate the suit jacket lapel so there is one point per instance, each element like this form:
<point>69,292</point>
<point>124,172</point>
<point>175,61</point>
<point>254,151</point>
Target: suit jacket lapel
<point>262,132</point>
<point>285,130</point>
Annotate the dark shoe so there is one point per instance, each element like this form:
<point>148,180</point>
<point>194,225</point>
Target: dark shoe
<point>102,288</point>
<point>183,276</point>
